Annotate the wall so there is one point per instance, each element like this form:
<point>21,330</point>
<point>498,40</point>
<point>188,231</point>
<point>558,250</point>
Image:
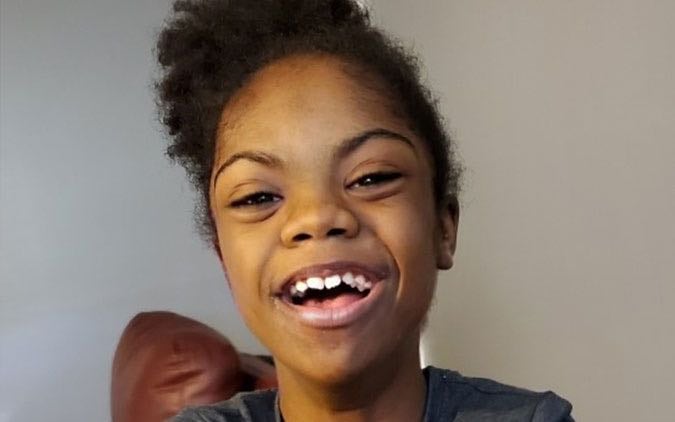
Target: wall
<point>95,224</point>
<point>564,112</point>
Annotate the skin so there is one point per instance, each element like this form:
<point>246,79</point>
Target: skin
<point>320,207</point>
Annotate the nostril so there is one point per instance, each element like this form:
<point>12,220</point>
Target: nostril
<point>332,232</point>
<point>336,232</point>
<point>300,237</point>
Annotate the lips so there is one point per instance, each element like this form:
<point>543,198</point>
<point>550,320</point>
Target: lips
<point>335,306</point>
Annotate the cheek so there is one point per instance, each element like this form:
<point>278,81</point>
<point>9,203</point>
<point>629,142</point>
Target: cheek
<point>242,254</point>
<point>406,223</point>
<point>414,228</point>
<point>417,252</point>
<point>411,240</point>
<point>244,283</point>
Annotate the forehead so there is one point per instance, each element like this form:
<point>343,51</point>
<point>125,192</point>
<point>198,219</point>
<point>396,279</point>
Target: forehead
<point>308,97</point>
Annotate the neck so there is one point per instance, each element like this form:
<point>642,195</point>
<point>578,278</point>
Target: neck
<point>391,390</point>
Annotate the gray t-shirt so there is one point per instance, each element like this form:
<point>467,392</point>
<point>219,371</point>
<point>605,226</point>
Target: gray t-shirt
<point>450,397</point>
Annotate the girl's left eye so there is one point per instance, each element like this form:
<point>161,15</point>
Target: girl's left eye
<point>373,179</point>
<point>256,200</point>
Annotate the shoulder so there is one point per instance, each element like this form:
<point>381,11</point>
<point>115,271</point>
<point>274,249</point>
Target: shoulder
<point>451,396</point>
<point>244,407</point>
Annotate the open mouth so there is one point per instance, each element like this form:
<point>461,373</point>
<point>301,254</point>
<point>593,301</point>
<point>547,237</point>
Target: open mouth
<point>334,295</point>
<point>333,291</point>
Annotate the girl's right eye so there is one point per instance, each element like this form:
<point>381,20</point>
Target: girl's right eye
<point>256,200</point>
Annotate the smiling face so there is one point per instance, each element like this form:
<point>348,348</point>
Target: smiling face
<point>315,178</point>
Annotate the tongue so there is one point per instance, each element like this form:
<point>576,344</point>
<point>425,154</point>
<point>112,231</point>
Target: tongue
<point>341,300</point>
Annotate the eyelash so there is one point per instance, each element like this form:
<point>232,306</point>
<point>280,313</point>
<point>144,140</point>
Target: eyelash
<point>376,178</point>
<point>257,199</point>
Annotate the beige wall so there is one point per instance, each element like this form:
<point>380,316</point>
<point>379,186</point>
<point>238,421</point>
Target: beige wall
<point>564,112</point>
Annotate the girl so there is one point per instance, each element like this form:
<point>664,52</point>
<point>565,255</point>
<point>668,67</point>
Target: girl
<point>329,190</point>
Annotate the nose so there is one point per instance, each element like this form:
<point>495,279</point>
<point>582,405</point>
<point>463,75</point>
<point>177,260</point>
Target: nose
<point>318,218</point>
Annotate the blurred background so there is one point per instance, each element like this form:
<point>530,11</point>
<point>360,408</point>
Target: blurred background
<point>564,112</point>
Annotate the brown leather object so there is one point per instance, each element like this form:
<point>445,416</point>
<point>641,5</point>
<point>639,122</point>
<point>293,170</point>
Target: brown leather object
<point>259,372</point>
<point>165,362</point>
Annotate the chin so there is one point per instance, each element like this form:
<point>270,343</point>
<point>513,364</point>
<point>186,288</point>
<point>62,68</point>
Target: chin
<point>338,361</point>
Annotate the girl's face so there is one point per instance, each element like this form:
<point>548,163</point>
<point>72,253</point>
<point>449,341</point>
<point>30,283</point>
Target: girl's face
<point>315,178</point>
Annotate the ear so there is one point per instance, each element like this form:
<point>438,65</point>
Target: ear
<point>446,243</point>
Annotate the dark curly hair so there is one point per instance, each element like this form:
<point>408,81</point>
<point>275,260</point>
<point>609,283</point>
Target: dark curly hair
<point>208,49</point>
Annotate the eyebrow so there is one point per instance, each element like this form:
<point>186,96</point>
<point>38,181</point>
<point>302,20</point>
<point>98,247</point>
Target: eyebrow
<point>255,156</point>
<point>353,143</point>
<point>346,147</point>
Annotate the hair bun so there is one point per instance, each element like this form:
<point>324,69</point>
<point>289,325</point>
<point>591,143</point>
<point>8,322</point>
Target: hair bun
<point>231,26</point>
<point>299,16</point>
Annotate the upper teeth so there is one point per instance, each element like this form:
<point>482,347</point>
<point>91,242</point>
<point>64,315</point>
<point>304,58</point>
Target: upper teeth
<point>358,281</point>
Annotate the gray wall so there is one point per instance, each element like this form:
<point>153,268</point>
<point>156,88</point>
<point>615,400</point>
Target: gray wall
<point>564,115</point>
<point>95,224</point>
